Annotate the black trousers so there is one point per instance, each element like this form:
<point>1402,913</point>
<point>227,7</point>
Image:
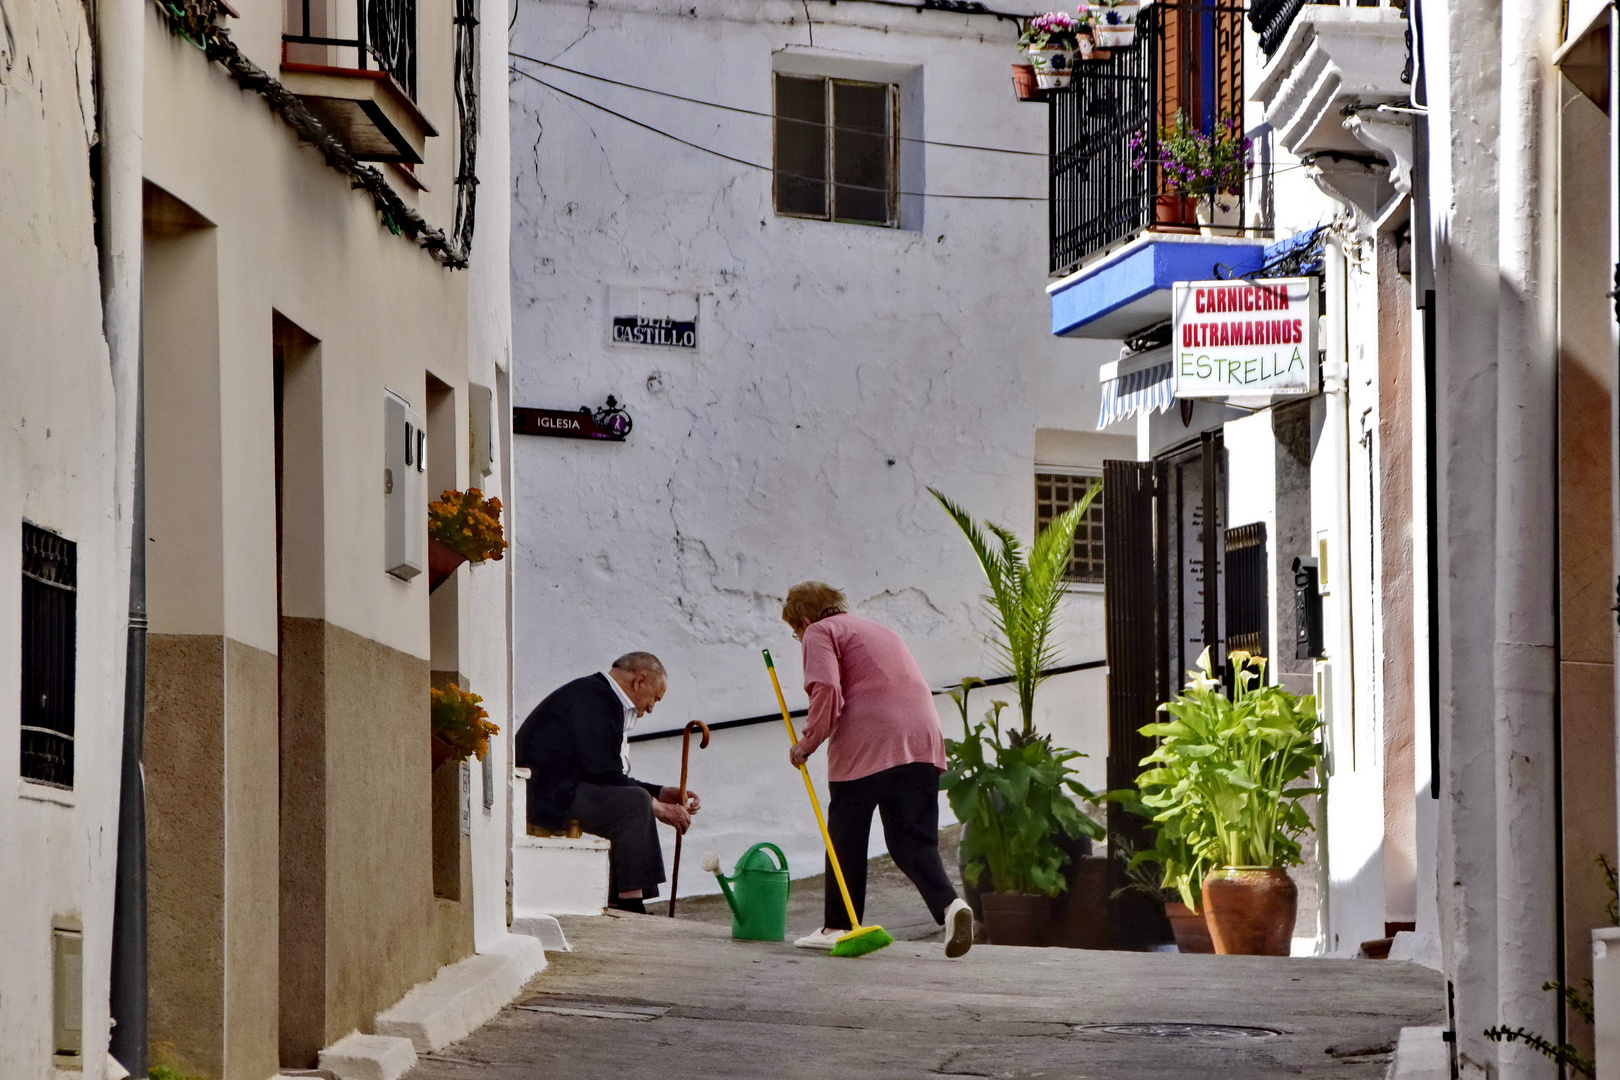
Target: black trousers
<point>906,797</point>
<point>623,815</point>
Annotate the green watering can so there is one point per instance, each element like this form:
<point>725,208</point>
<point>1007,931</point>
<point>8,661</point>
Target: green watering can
<point>757,892</point>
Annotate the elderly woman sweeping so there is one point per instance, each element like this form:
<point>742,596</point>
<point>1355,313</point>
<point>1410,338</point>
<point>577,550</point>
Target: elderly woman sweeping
<point>870,704</point>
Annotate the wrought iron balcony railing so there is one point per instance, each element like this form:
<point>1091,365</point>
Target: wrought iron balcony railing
<point>1107,184</point>
<point>384,37</point>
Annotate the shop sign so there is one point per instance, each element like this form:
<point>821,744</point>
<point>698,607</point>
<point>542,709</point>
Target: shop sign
<point>1245,338</point>
<point>610,422</point>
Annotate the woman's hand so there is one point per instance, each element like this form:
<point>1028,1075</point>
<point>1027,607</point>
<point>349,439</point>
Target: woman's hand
<point>799,755</point>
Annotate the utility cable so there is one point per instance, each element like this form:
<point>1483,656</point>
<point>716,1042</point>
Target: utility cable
<point>771,116</point>
<point>767,168</point>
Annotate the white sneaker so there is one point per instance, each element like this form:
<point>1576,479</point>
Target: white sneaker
<point>958,928</point>
<point>819,939</point>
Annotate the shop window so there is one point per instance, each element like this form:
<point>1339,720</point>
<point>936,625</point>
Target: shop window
<point>49,620</point>
<point>1055,494</point>
<point>836,154</point>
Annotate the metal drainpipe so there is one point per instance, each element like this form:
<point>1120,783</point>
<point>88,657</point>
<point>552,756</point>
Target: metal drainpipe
<point>119,36</point>
<point>1525,649</point>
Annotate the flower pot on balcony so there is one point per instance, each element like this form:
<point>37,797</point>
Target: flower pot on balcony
<point>1024,84</point>
<point>1189,927</point>
<point>1219,215</point>
<point>443,560</point>
<point>1175,213</point>
<point>1251,910</point>
<point>1017,918</point>
<point>1115,25</point>
<point>1053,67</point>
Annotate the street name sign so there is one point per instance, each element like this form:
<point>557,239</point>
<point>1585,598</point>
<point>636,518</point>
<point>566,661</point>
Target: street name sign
<point>1245,339</point>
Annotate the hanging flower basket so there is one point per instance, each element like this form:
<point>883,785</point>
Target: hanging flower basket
<point>1113,25</point>
<point>463,526</point>
<point>1053,68</point>
<point>1051,40</point>
<point>461,727</point>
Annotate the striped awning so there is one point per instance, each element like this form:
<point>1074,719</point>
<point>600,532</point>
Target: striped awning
<point>1135,385</point>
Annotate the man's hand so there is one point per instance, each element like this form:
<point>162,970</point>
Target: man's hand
<point>669,794</point>
<point>676,817</point>
<point>799,755</point>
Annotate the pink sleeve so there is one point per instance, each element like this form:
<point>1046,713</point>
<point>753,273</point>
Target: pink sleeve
<point>824,683</point>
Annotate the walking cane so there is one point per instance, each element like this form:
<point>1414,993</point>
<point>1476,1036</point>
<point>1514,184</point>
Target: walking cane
<point>686,745</point>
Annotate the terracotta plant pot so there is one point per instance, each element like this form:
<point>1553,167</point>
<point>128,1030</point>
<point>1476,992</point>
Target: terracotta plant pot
<point>1175,213</point>
<point>443,560</point>
<point>442,751</point>
<point>1251,910</point>
<point>1024,83</point>
<point>1016,918</point>
<point>1189,927</point>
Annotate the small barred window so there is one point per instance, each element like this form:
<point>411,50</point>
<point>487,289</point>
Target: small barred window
<point>1055,494</point>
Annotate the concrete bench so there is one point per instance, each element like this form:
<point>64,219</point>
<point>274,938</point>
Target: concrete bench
<point>556,874</point>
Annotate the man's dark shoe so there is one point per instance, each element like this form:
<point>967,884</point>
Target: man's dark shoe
<point>624,903</point>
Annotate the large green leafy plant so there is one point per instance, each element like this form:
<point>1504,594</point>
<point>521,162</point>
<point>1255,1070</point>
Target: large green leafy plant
<point>1225,783</point>
<point>1012,792</point>
<point>1024,591</point>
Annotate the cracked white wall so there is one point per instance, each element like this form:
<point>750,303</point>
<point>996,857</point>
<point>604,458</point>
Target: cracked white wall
<point>841,370</point>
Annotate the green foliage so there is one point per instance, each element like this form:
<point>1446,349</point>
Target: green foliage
<point>1225,781</point>
<point>1176,849</point>
<point>1563,1053</point>
<point>1013,793</point>
<point>1024,592</point>
<point>167,1072</point>
<point>1612,908</point>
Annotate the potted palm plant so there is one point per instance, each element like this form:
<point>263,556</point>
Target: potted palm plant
<point>1228,776</point>
<point>1011,792</point>
<point>1025,592</point>
<point>463,526</point>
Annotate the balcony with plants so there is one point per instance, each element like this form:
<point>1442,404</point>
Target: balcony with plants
<point>1152,173</point>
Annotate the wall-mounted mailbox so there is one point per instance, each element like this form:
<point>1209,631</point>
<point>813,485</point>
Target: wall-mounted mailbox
<point>1307,611</point>
<point>404,488</point>
<point>481,428</point>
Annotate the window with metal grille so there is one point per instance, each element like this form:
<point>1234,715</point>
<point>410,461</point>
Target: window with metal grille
<point>49,602</point>
<point>1247,594</point>
<point>836,152</point>
<point>1055,493</point>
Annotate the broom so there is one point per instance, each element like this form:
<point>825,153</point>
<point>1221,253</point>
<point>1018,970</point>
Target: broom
<point>862,939</point>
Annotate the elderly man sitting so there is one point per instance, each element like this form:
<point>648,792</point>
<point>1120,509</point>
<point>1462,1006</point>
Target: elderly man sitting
<point>576,748</point>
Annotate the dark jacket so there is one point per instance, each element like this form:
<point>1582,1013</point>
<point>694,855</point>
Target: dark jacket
<point>572,737</point>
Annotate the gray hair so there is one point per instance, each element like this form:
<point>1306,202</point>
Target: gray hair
<point>641,661</point>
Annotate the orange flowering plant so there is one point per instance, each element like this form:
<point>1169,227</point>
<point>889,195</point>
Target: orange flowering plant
<point>461,722</point>
<point>467,523</point>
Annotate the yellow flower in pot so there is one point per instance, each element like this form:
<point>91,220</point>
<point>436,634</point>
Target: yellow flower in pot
<point>463,526</point>
<point>1227,777</point>
<point>461,727</point>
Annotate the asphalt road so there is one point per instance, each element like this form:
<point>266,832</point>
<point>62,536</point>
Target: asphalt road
<point>679,999</point>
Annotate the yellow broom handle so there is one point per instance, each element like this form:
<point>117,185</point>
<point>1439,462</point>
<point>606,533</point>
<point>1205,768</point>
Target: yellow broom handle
<point>826,838</point>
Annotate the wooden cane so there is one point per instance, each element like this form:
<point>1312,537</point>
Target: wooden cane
<point>686,745</point>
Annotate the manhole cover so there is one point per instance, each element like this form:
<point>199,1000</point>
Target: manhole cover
<point>1181,1031</point>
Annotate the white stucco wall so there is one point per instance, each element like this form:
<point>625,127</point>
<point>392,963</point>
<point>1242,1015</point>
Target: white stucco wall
<point>57,470</point>
<point>842,369</point>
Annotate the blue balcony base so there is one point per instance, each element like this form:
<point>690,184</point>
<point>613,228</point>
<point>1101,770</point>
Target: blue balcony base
<point>1129,290</point>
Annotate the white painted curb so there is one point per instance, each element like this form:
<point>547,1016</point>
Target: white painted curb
<point>463,996</point>
<point>545,929</point>
<point>1420,1055</point>
<point>368,1057</point>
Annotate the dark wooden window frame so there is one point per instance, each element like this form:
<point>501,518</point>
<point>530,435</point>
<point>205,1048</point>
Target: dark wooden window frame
<point>49,656</point>
<point>830,171</point>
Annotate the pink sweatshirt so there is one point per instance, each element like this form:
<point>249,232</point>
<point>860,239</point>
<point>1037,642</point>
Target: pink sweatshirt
<point>869,697</point>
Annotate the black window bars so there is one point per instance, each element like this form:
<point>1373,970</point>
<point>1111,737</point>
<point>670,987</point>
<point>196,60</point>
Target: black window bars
<point>1186,57</point>
<point>49,628</point>
<point>385,35</point>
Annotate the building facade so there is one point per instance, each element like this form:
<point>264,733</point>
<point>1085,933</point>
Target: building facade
<point>801,362</point>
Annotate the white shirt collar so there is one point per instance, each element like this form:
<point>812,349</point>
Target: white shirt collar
<point>624,700</point>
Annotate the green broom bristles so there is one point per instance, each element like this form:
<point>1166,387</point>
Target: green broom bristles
<point>868,939</point>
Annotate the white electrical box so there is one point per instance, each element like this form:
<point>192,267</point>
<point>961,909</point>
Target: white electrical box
<point>404,488</point>
<point>481,428</point>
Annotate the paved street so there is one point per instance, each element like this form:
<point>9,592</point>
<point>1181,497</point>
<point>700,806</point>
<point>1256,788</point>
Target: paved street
<point>739,1009</point>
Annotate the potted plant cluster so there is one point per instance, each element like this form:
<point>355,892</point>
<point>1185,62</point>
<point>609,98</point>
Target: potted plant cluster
<point>1225,783</point>
<point>463,526</point>
<point>1203,172</point>
<point>1112,22</point>
<point>461,727</point>
<point>1012,791</point>
<point>1050,41</point>
<point>1171,871</point>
